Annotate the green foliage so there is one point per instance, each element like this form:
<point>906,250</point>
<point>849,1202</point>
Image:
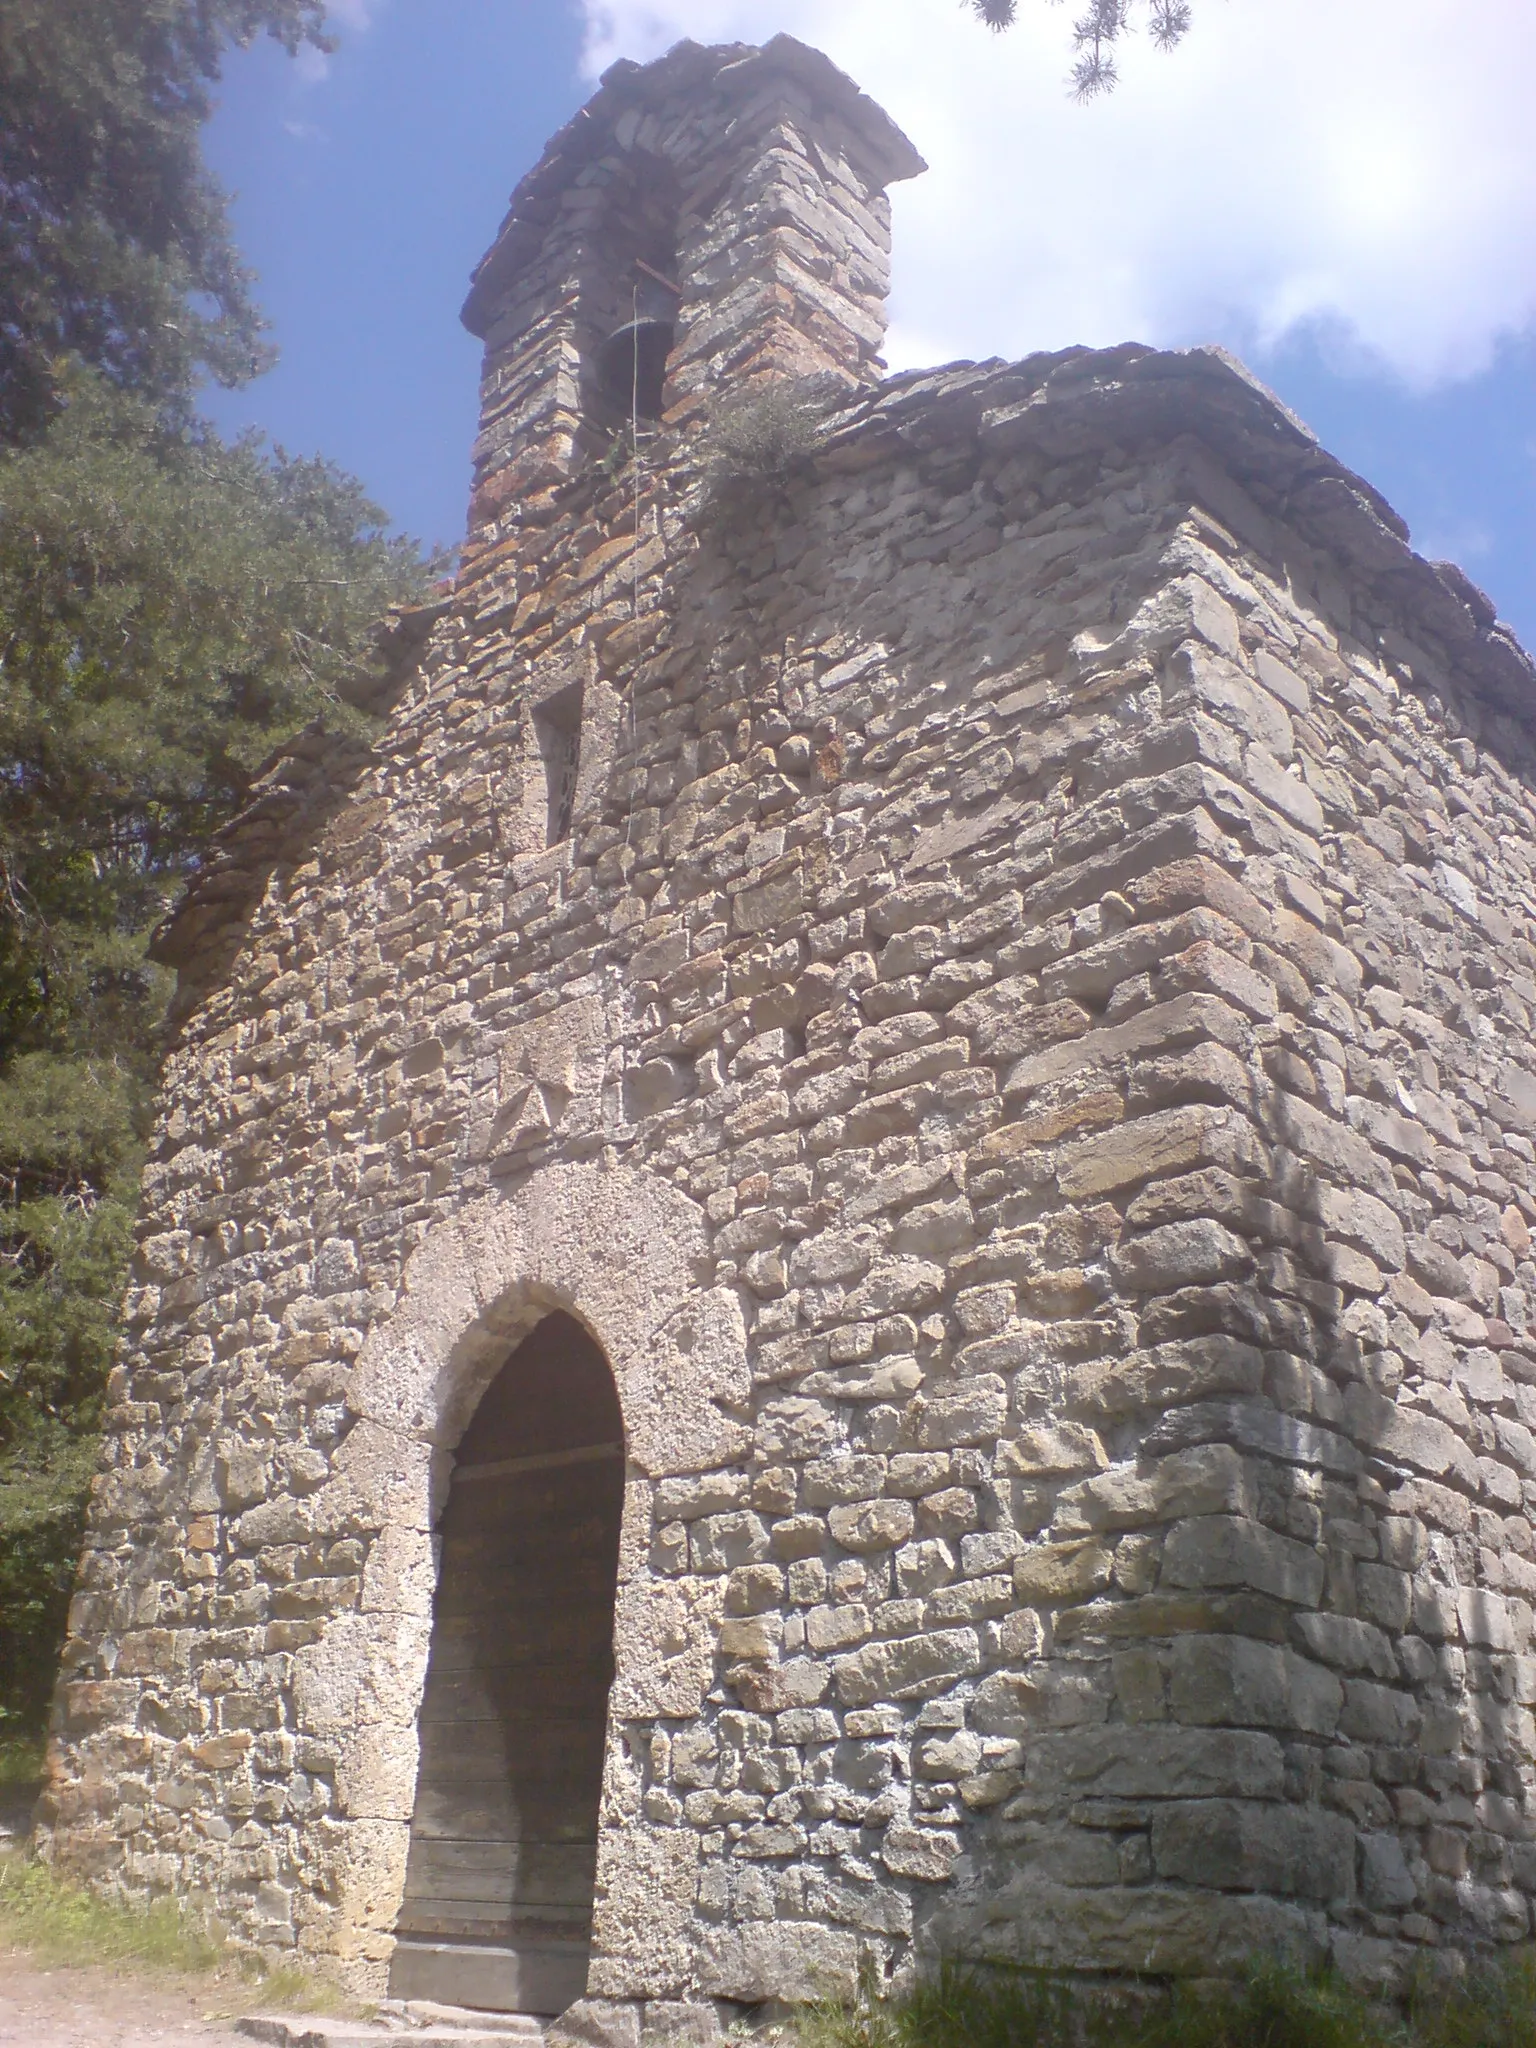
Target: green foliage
<point>1278,2008</point>
<point>62,1924</point>
<point>21,1767</point>
<point>66,1926</point>
<point>170,608</point>
<point>960,2007</point>
<point>755,444</point>
<point>1494,2006</point>
<point>1097,31</point>
<point>114,239</point>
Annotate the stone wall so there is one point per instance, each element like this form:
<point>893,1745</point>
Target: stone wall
<point>1024,1061</point>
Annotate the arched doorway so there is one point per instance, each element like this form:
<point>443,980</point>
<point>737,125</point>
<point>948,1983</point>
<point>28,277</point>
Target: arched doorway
<point>497,1911</point>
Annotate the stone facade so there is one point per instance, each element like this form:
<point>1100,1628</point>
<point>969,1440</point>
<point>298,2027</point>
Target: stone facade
<point>1023,1060</point>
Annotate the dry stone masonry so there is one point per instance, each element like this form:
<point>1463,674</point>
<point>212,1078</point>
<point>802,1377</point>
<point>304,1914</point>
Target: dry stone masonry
<point>994,977</point>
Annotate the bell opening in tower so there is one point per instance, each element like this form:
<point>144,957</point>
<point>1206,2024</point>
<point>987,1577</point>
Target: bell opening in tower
<point>633,361</point>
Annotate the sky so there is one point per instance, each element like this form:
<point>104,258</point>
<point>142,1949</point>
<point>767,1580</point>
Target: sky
<point>1341,191</point>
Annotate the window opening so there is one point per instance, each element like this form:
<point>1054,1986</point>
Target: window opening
<point>557,726</point>
<point>633,363</point>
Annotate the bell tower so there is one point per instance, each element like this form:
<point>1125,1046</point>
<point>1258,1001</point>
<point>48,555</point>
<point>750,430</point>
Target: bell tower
<point>712,218</point>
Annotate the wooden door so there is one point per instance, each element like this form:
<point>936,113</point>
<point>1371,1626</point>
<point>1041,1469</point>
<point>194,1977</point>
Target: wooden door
<point>498,1891</point>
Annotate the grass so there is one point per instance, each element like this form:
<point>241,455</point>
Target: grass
<point>21,1766</point>
<point>1494,2006</point>
<point>65,1926</point>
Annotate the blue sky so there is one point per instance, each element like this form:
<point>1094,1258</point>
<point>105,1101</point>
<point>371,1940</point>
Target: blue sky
<point>1343,191</point>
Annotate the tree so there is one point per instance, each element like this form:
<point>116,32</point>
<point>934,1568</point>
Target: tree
<point>170,608</point>
<point>1096,33</point>
<point>115,247</point>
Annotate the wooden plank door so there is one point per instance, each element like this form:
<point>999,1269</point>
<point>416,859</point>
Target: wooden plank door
<point>498,1892</point>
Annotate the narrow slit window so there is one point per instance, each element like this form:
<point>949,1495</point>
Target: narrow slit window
<point>557,724</point>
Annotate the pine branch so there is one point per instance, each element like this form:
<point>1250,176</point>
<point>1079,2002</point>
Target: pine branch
<point>1095,34</point>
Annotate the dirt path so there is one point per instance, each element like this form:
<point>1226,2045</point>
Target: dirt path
<point>106,2009</point>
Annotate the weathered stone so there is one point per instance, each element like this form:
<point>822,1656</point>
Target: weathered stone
<point>1156,1763</point>
<point>1051,1573</point>
<point>1248,1845</point>
<point>1209,1481</point>
<point>1229,1550</point>
<point>1000,1013</point>
<point>915,1668</point>
<point>1222,1680</point>
<point>1171,1141</point>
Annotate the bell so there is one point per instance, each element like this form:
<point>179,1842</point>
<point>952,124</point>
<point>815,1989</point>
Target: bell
<point>633,361</point>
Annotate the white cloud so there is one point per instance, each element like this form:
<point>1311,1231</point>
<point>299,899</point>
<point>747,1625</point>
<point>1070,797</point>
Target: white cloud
<point>1363,167</point>
<point>342,17</point>
<point>311,66</point>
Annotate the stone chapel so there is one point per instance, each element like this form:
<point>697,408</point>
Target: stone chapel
<point>837,1266</point>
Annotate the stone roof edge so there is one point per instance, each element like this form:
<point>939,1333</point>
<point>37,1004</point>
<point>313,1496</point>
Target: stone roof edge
<point>732,68</point>
<point>1074,399</point>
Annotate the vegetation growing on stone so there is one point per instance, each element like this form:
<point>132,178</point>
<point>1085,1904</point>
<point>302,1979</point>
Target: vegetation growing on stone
<point>66,1926</point>
<point>755,444</point>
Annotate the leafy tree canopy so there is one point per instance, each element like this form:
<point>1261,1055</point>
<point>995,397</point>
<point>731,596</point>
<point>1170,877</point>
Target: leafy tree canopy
<point>114,238</point>
<point>171,607</point>
<point>1096,32</point>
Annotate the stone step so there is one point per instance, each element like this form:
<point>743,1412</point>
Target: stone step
<point>413,2025</point>
<point>426,2012</point>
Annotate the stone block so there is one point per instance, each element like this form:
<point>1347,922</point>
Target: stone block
<point>917,1667</point>
<point>1016,1704</point>
<point>1051,1450</point>
<point>1123,1762</point>
<point>927,1854</point>
<point>1287,793</point>
<point>1259,1846</point>
<point>1256,1426</point>
<point>1227,1680</point>
<point>1379,1713</point>
<point>793,1961</point>
<point>1166,1375</point>
<point>872,1525</point>
<point>1137,1930</point>
<point>1196,1253</point>
<point>1347,1644</point>
<point>975,1413</point>
<point>647,1882</point>
<point>1386,1883</point>
<point>1054,1574</point>
<point>1169,1141</point>
<point>596,2023</point>
<point>1229,1550</point>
